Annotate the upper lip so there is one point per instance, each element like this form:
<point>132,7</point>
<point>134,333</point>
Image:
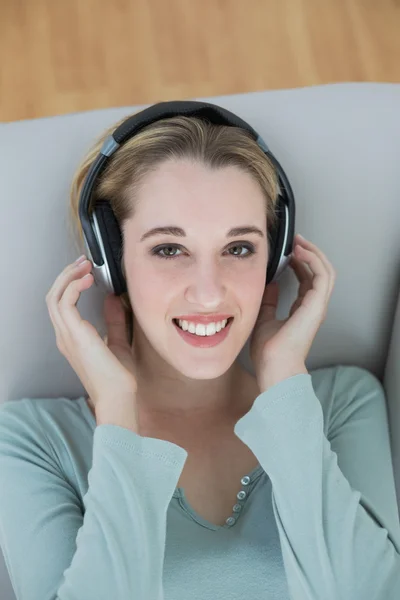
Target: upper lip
<point>203,318</point>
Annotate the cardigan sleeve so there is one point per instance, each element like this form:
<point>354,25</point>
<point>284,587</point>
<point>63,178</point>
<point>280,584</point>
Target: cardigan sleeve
<point>333,499</point>
<point>112,546</point>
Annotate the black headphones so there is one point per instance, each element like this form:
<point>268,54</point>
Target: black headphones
<point>101,232</point>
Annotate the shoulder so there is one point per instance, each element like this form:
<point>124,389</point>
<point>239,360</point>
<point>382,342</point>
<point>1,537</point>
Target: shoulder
<point>342,389</point>
<point>343,377</point>
<point>51,424</point>
<point>42,410</point>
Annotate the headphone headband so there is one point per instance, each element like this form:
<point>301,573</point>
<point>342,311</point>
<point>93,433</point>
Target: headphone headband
<point>185,108</point>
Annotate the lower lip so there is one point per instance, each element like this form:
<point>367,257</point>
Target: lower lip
<point>204,341</point>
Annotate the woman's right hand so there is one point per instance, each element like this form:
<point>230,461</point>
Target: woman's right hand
<point>107,371</point>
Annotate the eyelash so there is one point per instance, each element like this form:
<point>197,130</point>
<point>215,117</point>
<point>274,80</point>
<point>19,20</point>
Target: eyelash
<point>155,251</point>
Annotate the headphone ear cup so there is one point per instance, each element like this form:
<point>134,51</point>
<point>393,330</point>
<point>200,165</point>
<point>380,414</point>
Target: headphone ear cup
<point>276,234</point>
<point>111,237</point>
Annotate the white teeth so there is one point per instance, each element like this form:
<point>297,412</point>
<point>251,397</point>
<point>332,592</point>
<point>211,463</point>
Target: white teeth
<point>200,329</point>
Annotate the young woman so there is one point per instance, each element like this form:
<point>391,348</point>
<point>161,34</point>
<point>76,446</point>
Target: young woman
<point>181,475</point>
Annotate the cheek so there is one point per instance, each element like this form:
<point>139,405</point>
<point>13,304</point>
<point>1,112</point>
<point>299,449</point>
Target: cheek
<point>250,293</point>
<point>148,289</point>
<point>250,297</point>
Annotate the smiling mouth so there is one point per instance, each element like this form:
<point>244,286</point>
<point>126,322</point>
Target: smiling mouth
<point>228,322</point>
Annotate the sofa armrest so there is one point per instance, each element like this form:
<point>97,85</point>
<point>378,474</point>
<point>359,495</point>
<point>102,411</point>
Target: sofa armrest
<point>391,382</point>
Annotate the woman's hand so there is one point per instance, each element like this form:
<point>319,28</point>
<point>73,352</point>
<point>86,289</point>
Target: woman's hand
<point>107,371</point>
<point>284,345</point>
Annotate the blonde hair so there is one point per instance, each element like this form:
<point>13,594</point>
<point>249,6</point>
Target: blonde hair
<point>215,146</point>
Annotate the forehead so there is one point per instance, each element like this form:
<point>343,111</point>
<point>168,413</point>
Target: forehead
<point>185,188</point>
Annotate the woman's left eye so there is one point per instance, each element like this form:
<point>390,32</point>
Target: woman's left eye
<point>156,251</point>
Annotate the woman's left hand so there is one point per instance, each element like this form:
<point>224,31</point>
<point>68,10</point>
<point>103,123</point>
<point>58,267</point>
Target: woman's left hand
<point>286,344</point>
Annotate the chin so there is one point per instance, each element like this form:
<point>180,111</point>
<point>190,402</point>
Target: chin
<point>200,363</point>
<point>202,372</point>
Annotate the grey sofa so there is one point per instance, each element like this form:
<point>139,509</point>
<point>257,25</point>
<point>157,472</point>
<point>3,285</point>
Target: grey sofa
<point>340,147</point>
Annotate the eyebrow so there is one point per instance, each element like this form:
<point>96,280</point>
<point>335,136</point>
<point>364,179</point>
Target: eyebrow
<point>178,231</point>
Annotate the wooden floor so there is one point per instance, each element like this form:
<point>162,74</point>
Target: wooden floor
<point>62,56</point>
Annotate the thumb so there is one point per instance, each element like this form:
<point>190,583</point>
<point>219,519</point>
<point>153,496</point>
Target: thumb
<point>114,315</point>
<point>269,302</point>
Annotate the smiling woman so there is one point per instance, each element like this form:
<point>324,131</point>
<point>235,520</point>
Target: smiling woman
<point>135,500</point>
<point>178,138</point>
<point>214,188</point>
<point>208,273</point>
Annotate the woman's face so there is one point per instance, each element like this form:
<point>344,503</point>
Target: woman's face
<point>202,271</point>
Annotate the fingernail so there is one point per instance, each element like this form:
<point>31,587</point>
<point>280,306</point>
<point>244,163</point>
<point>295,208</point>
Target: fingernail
<point>80,259</point>
<point>300,236</point>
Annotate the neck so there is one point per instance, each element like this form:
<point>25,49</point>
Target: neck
<point>174,401</point>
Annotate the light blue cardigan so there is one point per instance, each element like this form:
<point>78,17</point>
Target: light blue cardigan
<point>93,513</point>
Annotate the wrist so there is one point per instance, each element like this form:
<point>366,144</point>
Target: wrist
<point>120,411</point>
<point>274,374</point>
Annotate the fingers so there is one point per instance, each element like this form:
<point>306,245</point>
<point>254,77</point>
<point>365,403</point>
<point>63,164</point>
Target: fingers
<point>318,279</point>
<point>323,274</point>
<point>303,274</point>
<point>310,246</point>
<point>64,294</point>
<point>67,304</point>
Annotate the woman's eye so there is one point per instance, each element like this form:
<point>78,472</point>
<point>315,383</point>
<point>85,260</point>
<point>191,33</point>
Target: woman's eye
<point>159,249</point>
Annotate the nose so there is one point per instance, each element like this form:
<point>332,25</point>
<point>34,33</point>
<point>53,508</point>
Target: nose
<point>207,287</point>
